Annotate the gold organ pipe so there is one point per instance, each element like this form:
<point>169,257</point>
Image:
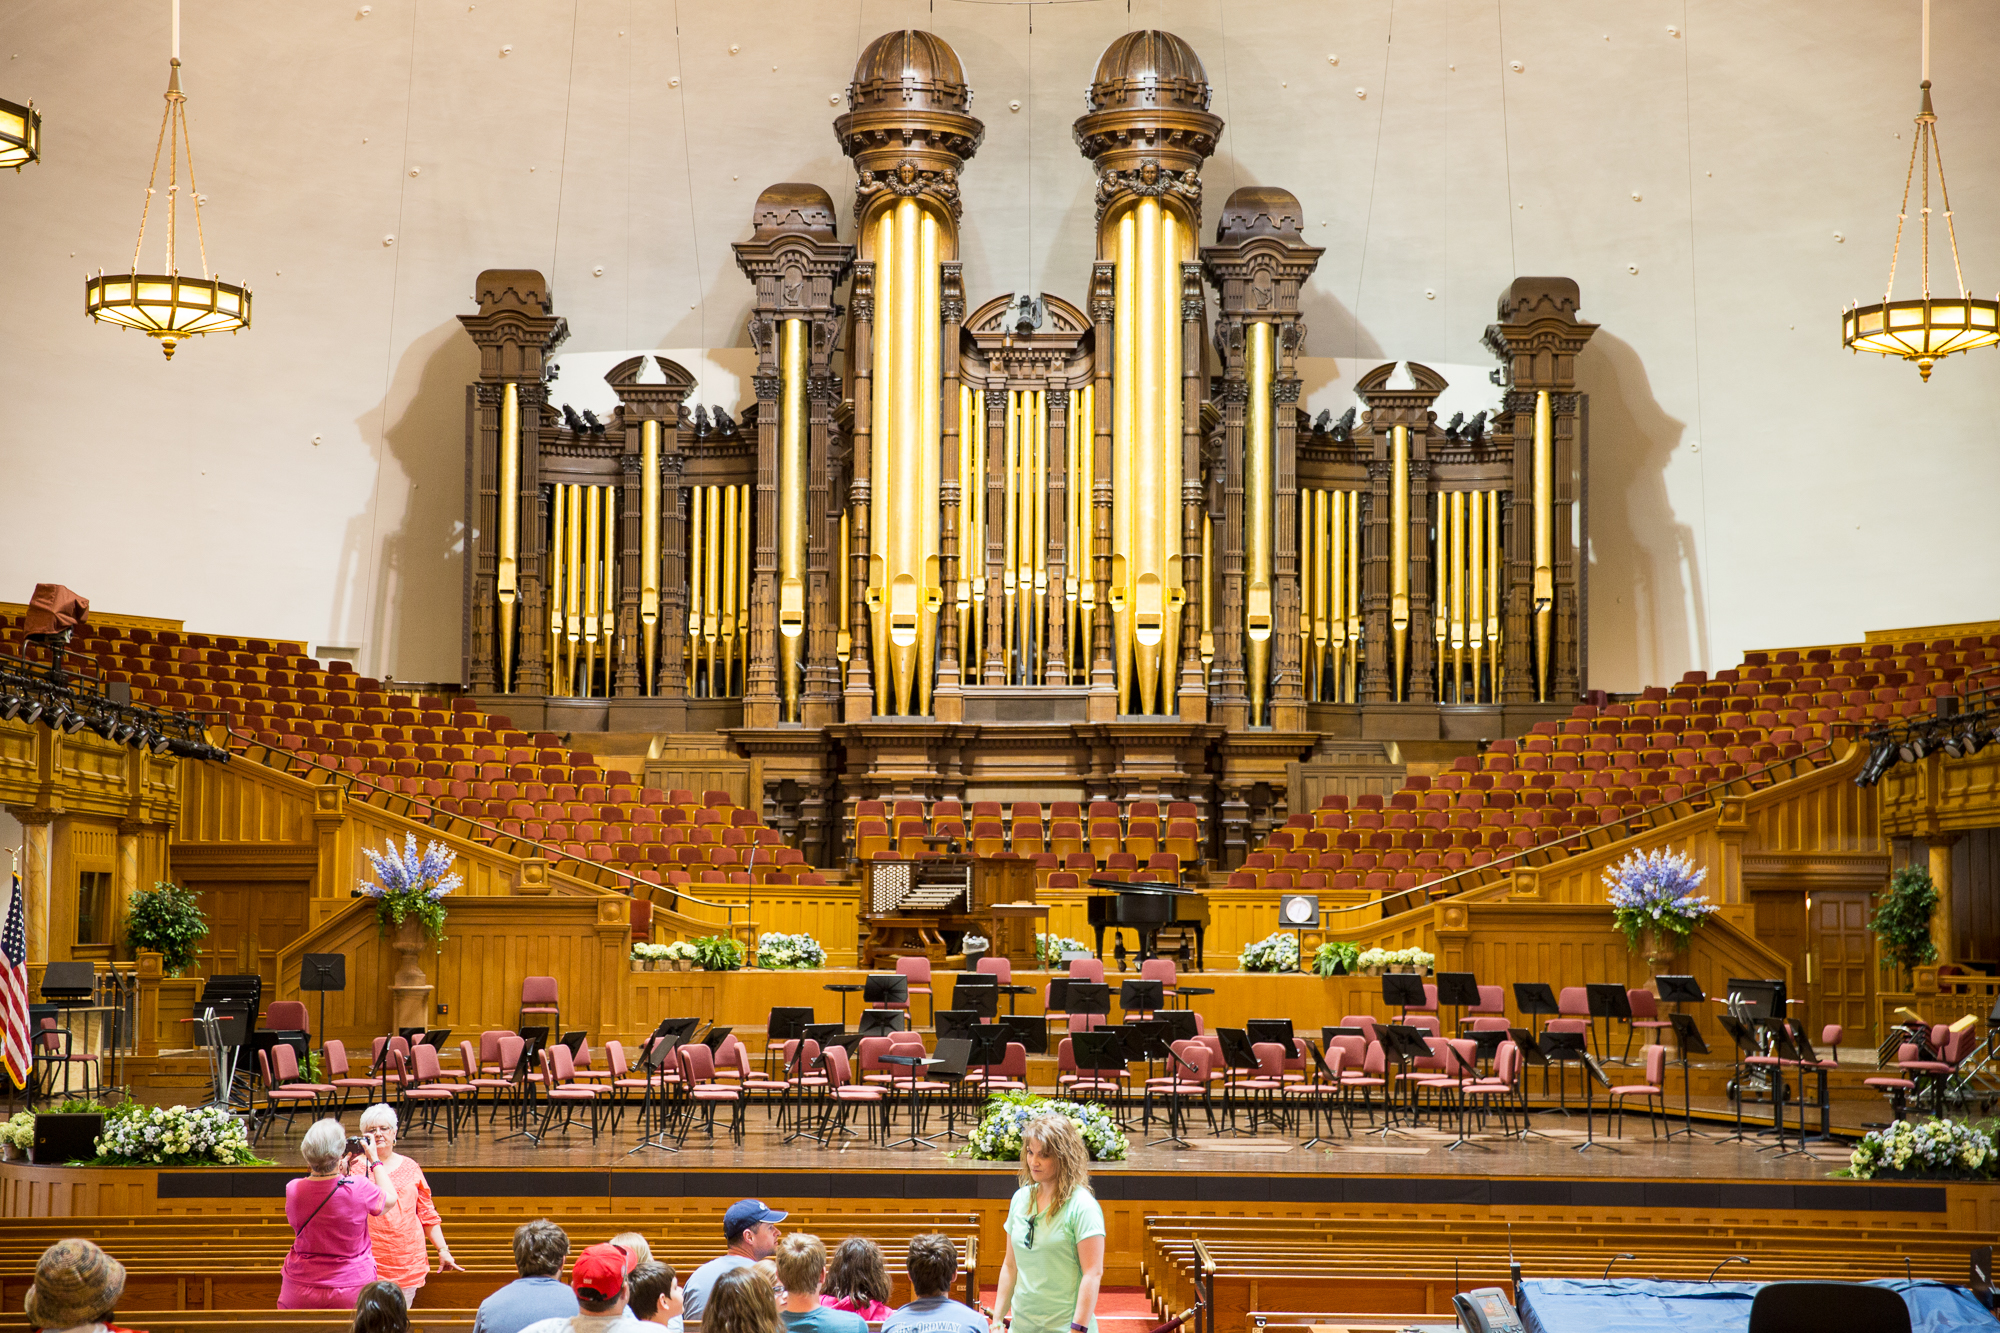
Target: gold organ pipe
<point>1336,590</point>
<point>649,551</point>
<point>573,589</point>
<point>1353,582</point>
<point>593,522</point>
<point>1459,595</point>
<point>743,497</point>
<point>609,633</point>
<point>1167,499</point>
<point>711,572</point>
<point>881,444</point>
<point>1323,567</point>
<point>729,593</point>
<point>1010,514</point>
<point>1124,448</point>
<point>926,390</point>
<point>558,544</point>
<point>1207,595</point>
<point>1258,494</point>
<point>1475,611</point>
<point>1147,583</point>
<point>974,562</point>
<point>1441,596</point>
<point>791,511</point>
<point>1086,528</point>
<point>843,640</point>
<point>1038,551</point>
<point>967,433</point>
<point>506,582</point>
<point>696,579</point>
<point>1399,547</point>
<point>1493,578</point>
<point>1305,549</point>
<point>1545,575</point>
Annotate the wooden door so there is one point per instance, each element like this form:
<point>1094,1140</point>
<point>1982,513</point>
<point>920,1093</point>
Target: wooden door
<point>1781,926</point>
<point>1843,989</point>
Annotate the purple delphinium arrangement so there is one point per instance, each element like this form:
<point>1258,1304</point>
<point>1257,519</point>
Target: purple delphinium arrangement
<point>1657,890</point>
<point>412,885</point>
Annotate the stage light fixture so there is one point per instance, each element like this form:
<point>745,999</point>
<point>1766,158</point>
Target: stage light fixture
<point>1916,748</point>
<point>33,711</point>
<point>1880,760</point>
<point>11,707</point>
<point>20,135</point>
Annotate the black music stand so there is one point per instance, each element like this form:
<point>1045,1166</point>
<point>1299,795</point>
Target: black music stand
<point>1569,1048</point>
<point>916,1064</point>
<point>1536,999</point>
<point>1401,990</point>
<point>1745,1037</point>
<point>956,1022</point>
<point>1277,1030</point>
<point>1811,1061</point>
<point>953,1054</point>
<point>1145,996</point>
<point>1402,1044</point>
<point>1031,1030</point>
<point>1239,1058</point>
<point>786,1023</point>
<point>1326,1079</point>
<point>1458,991</point>
<point>978,992</point>
<point>1099,1050</point>
<point>1607,1001</point>
<point>1467,1071</point>
<point>881,1022</point>
<point>1179,1067</point>
<point>885,988</point>
<point>1531,1055</point>
<point>652,1063</point>
<point>843,990</point>
<point>1088,997</point>
<point>1148,1039</point>
<point>989,1043</point>
<point>323,972</point>
<point>1783,1047</point>
<point>1687,1041</point>
<point>71,986</point>
<point>1182,1024</point>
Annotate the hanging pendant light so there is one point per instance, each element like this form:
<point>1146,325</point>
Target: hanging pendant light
<point>20,134</point>
<point>172,305</point>
<point>1927,328</point>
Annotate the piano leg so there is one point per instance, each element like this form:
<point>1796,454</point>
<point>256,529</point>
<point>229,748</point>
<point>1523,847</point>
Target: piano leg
<point>1199,931</point>
<point>1100,942</point>
<point>1149,942</point>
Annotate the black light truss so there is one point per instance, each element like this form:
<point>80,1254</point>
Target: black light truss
<point>67,702</point>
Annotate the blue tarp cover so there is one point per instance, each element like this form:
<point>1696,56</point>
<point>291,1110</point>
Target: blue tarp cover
<point>1636,1305</point>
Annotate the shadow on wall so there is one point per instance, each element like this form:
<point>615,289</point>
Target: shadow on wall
<point>1648,617</point>
<point>1331,329</point>
<point>403,557</point>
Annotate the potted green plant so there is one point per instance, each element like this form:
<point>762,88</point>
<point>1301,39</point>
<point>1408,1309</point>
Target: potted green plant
<point>1336,958</point>
<point>166,919</point>
<point>1902,921</point>
<point>718,953</point>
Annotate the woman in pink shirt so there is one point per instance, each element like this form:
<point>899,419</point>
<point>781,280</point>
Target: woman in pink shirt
<point>398,1234</point>
<point>329,1210</point>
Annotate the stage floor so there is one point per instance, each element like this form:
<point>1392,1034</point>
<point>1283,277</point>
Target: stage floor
<point>1553,1150</point>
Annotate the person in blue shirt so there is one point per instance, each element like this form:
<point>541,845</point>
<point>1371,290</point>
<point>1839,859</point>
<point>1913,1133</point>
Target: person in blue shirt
<point>751,1232</point>
<point>801,1263</point>
<point>932,1263</point>
<point>539,1293</point>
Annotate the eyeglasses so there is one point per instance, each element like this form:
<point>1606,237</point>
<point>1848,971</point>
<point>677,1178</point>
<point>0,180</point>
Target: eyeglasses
<point>1029,1242</point>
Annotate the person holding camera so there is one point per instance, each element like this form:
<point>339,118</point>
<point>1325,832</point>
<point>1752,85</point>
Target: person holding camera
<point>331,1259</point>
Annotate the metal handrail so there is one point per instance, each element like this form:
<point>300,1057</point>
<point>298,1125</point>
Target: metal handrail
<point>1700,799</point>
<point>432,813</point>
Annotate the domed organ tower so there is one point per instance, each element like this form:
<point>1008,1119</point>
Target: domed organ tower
<point>909,131</point>
<point>1148,130</point>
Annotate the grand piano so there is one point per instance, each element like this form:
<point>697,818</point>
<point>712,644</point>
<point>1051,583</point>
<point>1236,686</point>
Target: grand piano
<point>1147,907</point>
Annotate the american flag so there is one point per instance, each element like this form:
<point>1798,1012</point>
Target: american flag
<point>14,1048</point>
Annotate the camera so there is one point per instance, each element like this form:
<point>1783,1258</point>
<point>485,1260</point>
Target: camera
<point>356,1148</point>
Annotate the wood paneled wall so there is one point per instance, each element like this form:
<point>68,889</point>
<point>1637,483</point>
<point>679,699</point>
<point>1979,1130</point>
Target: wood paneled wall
<point>699,762</point>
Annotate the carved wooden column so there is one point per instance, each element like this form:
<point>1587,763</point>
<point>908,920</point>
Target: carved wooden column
<point>1409,410</point>
<point>1259,263</point>
<point>515,332</point>
<point>1102,705</point>
<point>670,678</point>
<point>1191,694</point>
<point>858,699</point>
<point>796,264</point>
<point>1538,336</point>
<point>656,403</point>
<point>947,698</point>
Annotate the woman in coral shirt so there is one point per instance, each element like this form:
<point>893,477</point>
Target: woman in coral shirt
<point>397,1235</point>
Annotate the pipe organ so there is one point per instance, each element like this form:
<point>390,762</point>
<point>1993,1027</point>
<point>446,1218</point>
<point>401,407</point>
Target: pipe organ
<point>1107,533</point>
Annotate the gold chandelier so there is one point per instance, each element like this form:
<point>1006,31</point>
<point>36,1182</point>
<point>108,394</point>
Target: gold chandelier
<point>20,134</point>
<point>1927,328</point>
<point>172,305</point>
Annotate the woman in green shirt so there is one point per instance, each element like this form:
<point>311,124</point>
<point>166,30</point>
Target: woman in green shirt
<point>1055,1236</point>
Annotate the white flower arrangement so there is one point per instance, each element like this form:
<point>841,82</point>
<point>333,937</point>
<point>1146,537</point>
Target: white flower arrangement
<point>998,1135</point>
<point>19,1132</point>
<point>1276,952</point>
<point>1050,948</point>
<point>650,953</point>
<point>1950,1149</point>
<point>677,951</point>
<point>972,944</point>
<point>780,952</point>
<point>1376,960</point>
<point>173,1136</point>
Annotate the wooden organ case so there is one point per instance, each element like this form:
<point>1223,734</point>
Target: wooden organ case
<point>1032,547</point>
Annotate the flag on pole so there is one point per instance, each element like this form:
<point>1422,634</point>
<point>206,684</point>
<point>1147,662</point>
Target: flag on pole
<point>14,1043</point>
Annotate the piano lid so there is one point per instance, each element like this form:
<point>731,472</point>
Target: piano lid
<point>1138,886</point>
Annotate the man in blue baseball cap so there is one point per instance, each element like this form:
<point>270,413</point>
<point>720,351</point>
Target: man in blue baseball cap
<point>751,1232</point>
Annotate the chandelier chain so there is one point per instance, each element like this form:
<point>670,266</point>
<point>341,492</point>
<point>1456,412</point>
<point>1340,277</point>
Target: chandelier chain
<point>1944,194</point>
<point>1902,216</point>
<point>1924,145</point>
<point>174,180</point>
<point>194,191</point>
<point>152,178</point>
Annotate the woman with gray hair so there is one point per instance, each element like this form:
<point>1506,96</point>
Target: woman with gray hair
<point>398,1234</point>
<point>330,1261</point>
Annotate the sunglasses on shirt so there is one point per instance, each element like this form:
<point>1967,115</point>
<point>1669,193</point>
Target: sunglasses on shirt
<point>1029,1242</point>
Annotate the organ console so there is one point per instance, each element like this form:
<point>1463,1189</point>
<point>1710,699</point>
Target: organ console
<point>925,906</point>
